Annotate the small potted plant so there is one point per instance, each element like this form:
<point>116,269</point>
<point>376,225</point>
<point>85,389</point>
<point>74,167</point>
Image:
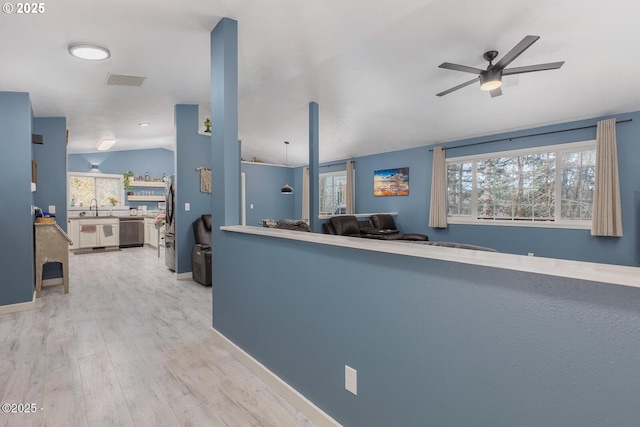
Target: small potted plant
<point>126,180</point>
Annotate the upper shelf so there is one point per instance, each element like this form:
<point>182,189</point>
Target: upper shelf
<point>147,184</point>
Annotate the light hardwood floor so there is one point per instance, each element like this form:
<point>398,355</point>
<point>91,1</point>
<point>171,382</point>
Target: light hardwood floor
<point>128,346</point>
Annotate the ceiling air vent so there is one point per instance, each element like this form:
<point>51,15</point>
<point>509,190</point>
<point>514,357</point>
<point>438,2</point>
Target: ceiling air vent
<point>124,80</point>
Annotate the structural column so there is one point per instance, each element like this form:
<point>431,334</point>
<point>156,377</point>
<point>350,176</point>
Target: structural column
<point>225,152</point>
<point>224,117</point>
<point>314,167</point>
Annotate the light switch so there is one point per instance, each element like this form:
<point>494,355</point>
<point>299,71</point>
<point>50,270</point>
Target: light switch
<point>251,206</point>
<point>187,206</point>
<point>52,209</point>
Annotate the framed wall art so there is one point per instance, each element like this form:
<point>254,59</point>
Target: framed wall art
<point>391,182</point>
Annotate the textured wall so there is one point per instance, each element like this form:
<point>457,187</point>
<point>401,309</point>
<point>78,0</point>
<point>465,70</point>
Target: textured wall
<point>263,183</point>
<point>434,343</point>
<point>16,254</point>
<point>192,151</point>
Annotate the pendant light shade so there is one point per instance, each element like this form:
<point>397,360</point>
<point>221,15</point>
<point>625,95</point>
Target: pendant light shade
<point>286,189</point>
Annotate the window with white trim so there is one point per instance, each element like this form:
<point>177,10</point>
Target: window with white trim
<point>83,187</point>
<point>332,189</point>
<point>548,186</point>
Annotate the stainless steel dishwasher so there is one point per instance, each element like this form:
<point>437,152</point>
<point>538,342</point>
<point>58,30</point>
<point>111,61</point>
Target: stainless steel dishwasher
<point>131,232</point>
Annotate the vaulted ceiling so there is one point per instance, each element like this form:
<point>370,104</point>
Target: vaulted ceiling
<point>372,66</point>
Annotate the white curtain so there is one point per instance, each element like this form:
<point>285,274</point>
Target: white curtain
<point>350,190</point>
<point>607,216</point>
<point>305,194</point>
<point>438,206</point>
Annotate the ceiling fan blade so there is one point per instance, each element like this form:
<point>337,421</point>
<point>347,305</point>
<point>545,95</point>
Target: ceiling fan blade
<point>460,86</point>
<point>495,92</point>
<point>464,68</point>
<point>532,68</point>
<point>515,52</point>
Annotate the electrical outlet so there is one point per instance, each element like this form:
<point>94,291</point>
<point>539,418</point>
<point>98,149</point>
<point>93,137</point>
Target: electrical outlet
<point>350,379</point>
<point>187,206</point>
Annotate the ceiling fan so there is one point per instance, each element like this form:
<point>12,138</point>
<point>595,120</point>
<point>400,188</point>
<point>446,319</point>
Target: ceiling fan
<point>491,78</point>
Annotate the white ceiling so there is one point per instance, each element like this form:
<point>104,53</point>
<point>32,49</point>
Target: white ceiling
<point>372,66</point>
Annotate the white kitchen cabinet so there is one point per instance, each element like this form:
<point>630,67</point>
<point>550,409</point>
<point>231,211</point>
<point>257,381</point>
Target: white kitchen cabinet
<point>109,239</point>
<point>72,232</point>
<point>97,232</point>
<point>151,232</point>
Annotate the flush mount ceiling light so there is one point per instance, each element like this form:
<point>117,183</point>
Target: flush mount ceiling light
<point>144,124</point>
<point>105,144</point>
<point>286,189</point>
<point>89,51</point>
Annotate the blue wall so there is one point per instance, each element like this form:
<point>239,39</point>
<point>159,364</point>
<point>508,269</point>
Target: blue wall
<point>413,210</point>
<point>263,183</point>
<point>434,343</point>
<point>157,162</point>
<point>192,151</point>
<point>16,254</point>
<point>413,214</point>
<point>51,157</point>
<point>52,166</point>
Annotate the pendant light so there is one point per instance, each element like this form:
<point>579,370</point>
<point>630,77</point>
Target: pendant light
<point>286,189</point>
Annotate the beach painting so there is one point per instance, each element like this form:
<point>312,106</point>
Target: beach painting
<point>391,182</point>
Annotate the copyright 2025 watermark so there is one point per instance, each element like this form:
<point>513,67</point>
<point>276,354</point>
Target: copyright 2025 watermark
<point>20,408</point>
<point>24,8</point>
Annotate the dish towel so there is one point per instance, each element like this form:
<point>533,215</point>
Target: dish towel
<point>107,230</point>
<point>87,228</point>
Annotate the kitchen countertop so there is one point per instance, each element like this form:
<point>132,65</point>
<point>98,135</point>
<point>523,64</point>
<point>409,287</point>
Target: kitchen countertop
<point>110,216</point>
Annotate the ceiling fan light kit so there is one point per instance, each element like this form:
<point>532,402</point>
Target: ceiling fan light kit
<point>491,78</point>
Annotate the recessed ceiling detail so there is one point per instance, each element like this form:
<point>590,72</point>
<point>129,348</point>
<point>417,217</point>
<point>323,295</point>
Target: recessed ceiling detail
<point>124,80</point>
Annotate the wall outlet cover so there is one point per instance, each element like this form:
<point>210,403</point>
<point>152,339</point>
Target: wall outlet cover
<point>350,379</point>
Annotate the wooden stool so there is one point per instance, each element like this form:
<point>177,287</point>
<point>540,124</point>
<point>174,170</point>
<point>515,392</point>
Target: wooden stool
<point>52,245</point>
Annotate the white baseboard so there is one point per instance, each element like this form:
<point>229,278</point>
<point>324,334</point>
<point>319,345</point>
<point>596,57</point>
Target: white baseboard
<point>21,306</point>
<point>291,395</point>
<point>185,276</point>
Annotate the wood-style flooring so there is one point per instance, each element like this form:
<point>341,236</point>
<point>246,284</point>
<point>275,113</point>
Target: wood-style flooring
<point>128,346</point>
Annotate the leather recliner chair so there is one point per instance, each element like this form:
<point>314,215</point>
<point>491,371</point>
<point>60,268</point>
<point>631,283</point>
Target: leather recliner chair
<point>348,225</point>
<point>201,252</point>
<point>387,224</point>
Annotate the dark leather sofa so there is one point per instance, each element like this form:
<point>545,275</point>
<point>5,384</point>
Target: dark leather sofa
<point>386,223</point>
<point>382,228</point>
<point>292,224</point>
<point>201,252</point>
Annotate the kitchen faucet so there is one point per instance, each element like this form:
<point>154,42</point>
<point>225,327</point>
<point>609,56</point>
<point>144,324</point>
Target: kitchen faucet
<point>91,205</point>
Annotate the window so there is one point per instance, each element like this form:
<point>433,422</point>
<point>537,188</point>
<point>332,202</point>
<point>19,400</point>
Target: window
<point>546,186</point>
<point>83,187</point>
<point>332,189</point>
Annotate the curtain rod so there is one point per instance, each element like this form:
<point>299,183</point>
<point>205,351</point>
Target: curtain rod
<point>336,164</point>
<point>528,136</point>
